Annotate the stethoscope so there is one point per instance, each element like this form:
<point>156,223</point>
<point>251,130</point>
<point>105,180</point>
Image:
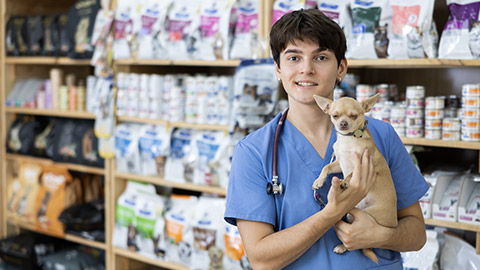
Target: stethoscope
<point>275,187</point>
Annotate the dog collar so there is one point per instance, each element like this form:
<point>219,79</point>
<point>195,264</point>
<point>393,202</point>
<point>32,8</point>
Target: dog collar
<point>359,132</point>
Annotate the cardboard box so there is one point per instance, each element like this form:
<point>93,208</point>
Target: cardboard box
<point>471,216</point>
<point>449,210</point>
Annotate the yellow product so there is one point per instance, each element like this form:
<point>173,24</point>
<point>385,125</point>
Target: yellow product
<point>29,175</point>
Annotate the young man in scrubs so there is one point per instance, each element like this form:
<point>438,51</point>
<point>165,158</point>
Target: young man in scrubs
<point>291,230</point>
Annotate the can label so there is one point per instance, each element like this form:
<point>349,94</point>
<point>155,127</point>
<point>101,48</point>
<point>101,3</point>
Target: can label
<point>471,89</point>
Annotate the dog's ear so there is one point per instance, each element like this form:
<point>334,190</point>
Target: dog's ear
<point>368,103</point>
<point>323,103</point>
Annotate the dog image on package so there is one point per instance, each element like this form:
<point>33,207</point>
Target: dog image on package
<point>353,136</point>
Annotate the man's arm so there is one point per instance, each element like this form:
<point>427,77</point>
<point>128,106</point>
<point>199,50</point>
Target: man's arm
<point>364,232</point>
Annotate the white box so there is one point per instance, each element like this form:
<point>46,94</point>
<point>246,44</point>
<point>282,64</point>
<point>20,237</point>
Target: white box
<point>448,212</point>
<point>473,216</point>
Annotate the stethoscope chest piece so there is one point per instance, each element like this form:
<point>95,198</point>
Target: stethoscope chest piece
<point>274,187</point>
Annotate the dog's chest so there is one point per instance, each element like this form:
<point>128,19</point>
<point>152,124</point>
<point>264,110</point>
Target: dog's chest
<point>345,148</point>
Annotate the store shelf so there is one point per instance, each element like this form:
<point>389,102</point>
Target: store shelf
<point>69,166</point>
<point>45,60</point>
<point>160,62</point>
<point>55,113</point>
<point>441,143</point>
<point>135,256</point>
<point>172,124</point>
<point>68,237</point>
<point>453,225</point>
<point>156,180</point>
<point>412,63</point>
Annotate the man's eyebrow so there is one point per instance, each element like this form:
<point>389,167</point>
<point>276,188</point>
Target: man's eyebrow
<point>299,51</point>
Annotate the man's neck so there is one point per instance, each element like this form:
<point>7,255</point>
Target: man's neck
<point>311,121</point>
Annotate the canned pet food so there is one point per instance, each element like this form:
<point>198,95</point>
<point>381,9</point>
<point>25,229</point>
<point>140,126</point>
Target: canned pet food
<point>451,124</point>
<point>470,136</point>
<point>470,113</point>
<point>450,112</point>
<point>364,89</point>
<point>435,102</point>
<point>414,122</point>
<point>452,102</point>
<point>434,113</point>
<point>471,102</point>
<point>414,132</point>
<point>448,135</point>
<point>415,103</point>
<point>433,134</point>
<point>471,123</point>
<point>416,91</point>
<point>397,121</point>
<point>471,89</point>
<point>433,123</point>
<point>400,130</point>
<point>398,111</point>
<point>362,97</point>
<point>415,113</point>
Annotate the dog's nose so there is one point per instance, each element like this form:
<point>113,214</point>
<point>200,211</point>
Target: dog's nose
<point>343,124</point>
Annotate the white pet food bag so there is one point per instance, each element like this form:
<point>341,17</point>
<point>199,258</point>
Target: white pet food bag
<point>105,112</point>
<point>222,162</point>
<point>309,4</point>
<point>206,146</point>
<point>455,40</point>
<point>368,18</point>
<point>179,167</point>
<point>127,154</point>
<point>450,198</point>
<point>245,39</point>
<point>235,256</point>
<point>124,231</point>
<point>427,257</point>
<point>101,30</point>
<point>255,93</point>
<point>411,21</point>
<point>427,199</point>
<point>154,142</point>
<point>178,222</point>
<point>123,28</point>
<point>282,7</point>
<point>339,12</point>
<point>183,29</point>
<point>208,242</point>
<point>150,225</point>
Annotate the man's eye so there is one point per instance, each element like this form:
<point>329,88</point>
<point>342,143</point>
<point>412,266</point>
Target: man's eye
<point>321,58</point>
<point>292,58</point>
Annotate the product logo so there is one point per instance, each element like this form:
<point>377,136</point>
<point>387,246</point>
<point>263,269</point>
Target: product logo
<point>363,3</point>
<point>329,6</point>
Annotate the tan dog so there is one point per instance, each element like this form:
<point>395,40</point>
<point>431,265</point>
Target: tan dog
<point>353,136</point>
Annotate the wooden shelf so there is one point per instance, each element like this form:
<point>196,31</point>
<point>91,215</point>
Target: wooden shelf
<point>135,256</point>
<point>173,124</point>
<point>441,143</point>
<point>55,113</point>
<point>162,62</point>
<point>46,60</point>
<point>412,63</point>
<point>453,225</point>
<point>68,237</point>
<point>156,180</point>
<point>69,166</point>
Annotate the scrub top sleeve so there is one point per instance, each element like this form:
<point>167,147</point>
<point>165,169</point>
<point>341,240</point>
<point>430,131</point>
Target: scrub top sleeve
<point>410,184</point>
<point>246,195</point>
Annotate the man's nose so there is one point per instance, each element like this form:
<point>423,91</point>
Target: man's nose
<point>307,68</point>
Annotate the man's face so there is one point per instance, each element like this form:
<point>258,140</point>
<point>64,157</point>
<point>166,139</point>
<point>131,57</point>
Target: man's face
<point>306,70</point>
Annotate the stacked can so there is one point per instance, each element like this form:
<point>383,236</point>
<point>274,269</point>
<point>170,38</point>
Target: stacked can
<point>470,124</point>
<point>384,91</point>
<point>177,100</point>
<point>122,99</point>
<point>434,114</point>
<point>191,101</point>
<point>397,118</point>
<point>364,91</point>
<point>415,111</point>
<point>155,101</point>
<point>143,100</point>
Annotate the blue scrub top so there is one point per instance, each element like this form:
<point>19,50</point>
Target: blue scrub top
<point>298,167</point>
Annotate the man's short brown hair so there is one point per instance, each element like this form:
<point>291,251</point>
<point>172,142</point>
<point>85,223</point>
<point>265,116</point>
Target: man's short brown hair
<point>307,25</point>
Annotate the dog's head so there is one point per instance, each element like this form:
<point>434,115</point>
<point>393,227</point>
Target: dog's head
<point>347,114</point>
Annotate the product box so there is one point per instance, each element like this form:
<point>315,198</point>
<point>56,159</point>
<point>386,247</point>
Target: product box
<point>469,203</point>
<point>426,201</point>
<point>446,196</point>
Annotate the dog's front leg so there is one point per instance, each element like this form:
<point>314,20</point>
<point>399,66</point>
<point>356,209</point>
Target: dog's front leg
<point>333,167</point>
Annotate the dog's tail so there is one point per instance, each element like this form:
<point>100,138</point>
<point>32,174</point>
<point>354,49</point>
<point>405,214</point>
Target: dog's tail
<point>370,254</point>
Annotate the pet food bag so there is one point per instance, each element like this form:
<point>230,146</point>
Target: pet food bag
<point>235,256</point>
<point>124,231</point>
<point>339,12</point>
<point>460,36</point>
<point>208,241</point>
<point>154,142</point>
<point>205,147</point>
<point>181,162</point>
<point>23,193</point>
<point>123,28</point>
<point>127,154</point>
<point>245,39</point>
<point>179,231</point>
<point>281,7</point>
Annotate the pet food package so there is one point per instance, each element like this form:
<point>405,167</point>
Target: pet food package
<point>51,38</point>
<point>281,7</point>
<point>221,163</point>
<point>411,23</point>
<point>150,225</point>
<point>21,136</point>
<point>22,204</point>
<point>368,19</point>
<point>44,142</point>
<point>255,93</point>
<point>447,194</point>
<point>339,12</point>
<point>16,36</point>
<point>205,147</point>
<point>127,154</point>
<point>123,29</point>
<point>154,143</point>
<point>457,253</point>
<point>67,147</point>
<point>245,39</point>
<point>235,256</point>
<point>124,231</point>
<point>208,234</point>
<point>53,197</point>
<point>89,153</point>
<point>181,161</point>
<point>427,199</point>
<point>101,33</point>
<point>35,35</point>
<point>179,231</point>
<point>460,36</point>
<point>214,27</point>
<point>427,257</point>
<point>469,203</point>
<point>105,112</point>
<point>79,28</point>
<point>183,29</point>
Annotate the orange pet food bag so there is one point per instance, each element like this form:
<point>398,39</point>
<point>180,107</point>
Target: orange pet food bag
<point>29,175</point>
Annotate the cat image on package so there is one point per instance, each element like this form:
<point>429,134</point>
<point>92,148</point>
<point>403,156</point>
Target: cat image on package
<point>474,39</point>
<point>24,207</point>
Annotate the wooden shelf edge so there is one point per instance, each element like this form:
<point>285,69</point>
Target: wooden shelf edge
<point>46,60</point>
<point>453,225</point>
<point>412,63</point>
<point>136,256</point>
<point>164,62</point>
<point>441,143</point>
<point>68,237</point>
<point>55,113</point>
<point>46,161</point>
<point>173,124</point>
<point>156,180</point>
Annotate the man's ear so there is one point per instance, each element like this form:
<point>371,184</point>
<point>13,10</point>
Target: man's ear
<point>368,103</point>
<point>323,103</point>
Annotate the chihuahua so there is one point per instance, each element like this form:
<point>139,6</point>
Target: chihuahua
<point>353,136</point>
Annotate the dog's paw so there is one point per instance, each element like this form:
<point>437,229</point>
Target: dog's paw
<point>318,183</point>
<point>340,249</point>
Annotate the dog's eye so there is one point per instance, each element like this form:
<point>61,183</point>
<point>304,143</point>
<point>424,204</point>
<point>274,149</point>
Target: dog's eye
<point>335,116</point>
<point>353,116</point>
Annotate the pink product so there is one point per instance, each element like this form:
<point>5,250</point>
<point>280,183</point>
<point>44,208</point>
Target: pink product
<point>448,135</point>
<point>414,132</point>
<point>397,121</point>
<point>415,103</point>
<point>364,89</point>
<point>433,134</point>
<point>418,113</point>
<point>471,89</point>
<point>414,122</point>
<point>434,113</point>
<point>433,123</point>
